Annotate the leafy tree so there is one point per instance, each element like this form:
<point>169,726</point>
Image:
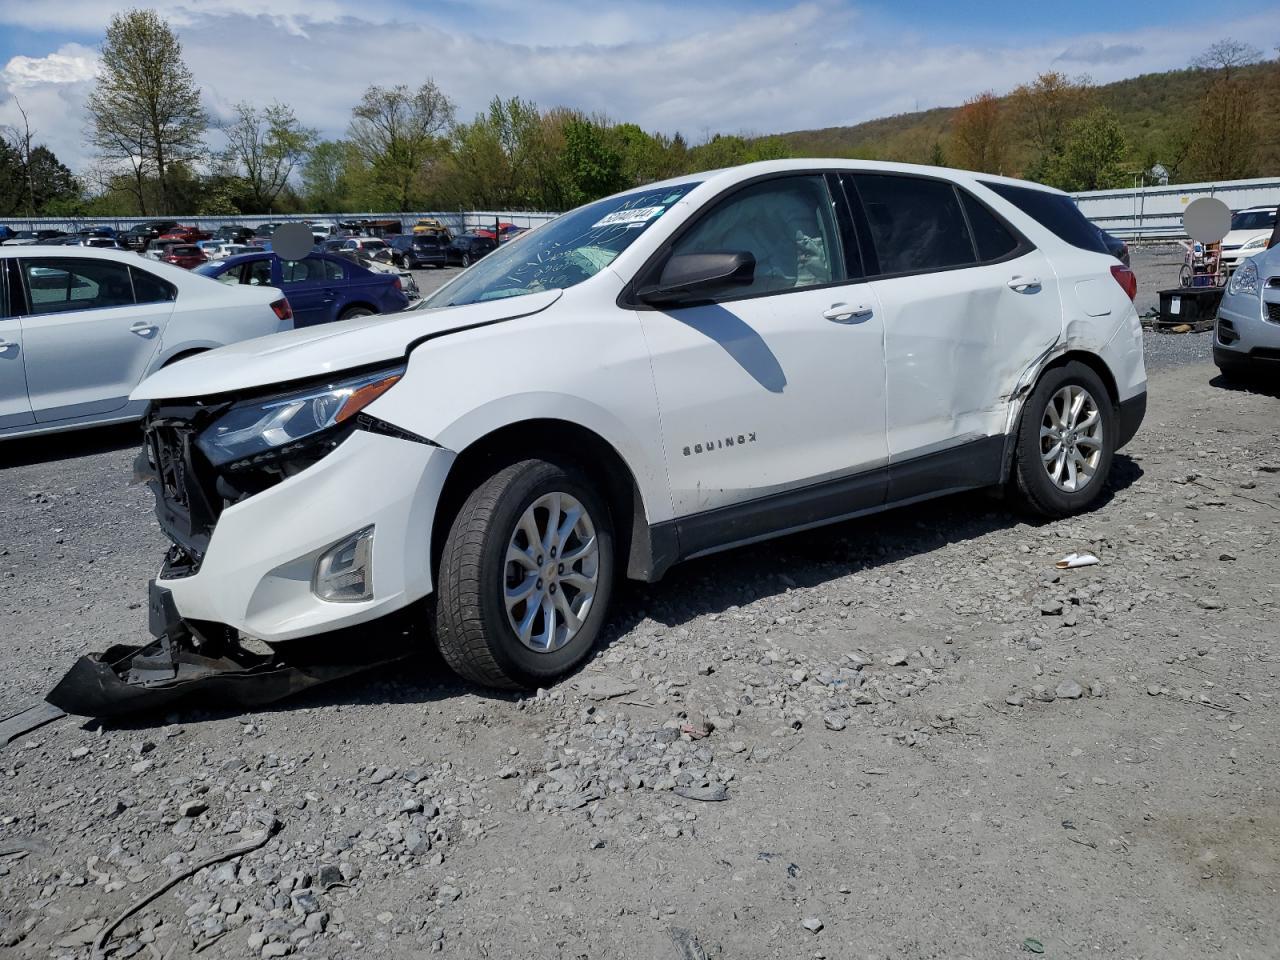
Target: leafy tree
<point>592,167</point>
<point>145,111</point>
<point>978,135</point>
<point>1043,110</point>
<point>1225,139</point>
<point>330,176</point>
<point>1093,154</point>
<point>398,132</point>
<point>264,147</point>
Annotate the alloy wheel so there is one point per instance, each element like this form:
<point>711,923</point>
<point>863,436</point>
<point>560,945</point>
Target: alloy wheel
<point>552,571</point>
<point>1071,438</point>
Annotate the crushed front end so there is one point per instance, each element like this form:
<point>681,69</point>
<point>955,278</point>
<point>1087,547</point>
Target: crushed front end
<point>300,531</point>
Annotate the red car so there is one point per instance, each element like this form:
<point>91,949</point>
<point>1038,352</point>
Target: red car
<point>187,235</point>
<point>185,255</point>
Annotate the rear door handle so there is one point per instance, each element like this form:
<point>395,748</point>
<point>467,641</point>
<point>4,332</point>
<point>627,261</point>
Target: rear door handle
<point>143,329</point>
<point>844,313</point>
<point>1022,284</point>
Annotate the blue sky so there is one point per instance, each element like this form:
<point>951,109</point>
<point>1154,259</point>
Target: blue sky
<point>737,66</point>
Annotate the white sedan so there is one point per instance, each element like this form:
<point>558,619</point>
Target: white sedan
<point>80,328</point>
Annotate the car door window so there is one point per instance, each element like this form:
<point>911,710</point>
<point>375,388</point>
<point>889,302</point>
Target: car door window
<point>916,224</point>
<point>993,239</point>
<point>148,288</point>
<point>257,273</point>
<point>787,224</point>
<point>56,285</point>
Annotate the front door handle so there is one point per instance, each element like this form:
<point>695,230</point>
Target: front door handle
<point>1020,284</point>
<point>143,329</point>
<point>844,313</point>
<point>6,346</point>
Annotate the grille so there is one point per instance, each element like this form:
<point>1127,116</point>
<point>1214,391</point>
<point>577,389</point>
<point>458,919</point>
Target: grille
<point>187,505</point>
<point>1273,312</point>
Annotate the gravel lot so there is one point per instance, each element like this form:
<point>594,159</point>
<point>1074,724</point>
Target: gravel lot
<point>909,737</point>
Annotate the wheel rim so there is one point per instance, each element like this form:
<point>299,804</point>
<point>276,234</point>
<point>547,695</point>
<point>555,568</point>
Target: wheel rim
<point>551,572</point>
<point>1071,438</point>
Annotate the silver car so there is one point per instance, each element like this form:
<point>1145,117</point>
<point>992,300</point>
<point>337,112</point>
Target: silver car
<point>1247,334</point>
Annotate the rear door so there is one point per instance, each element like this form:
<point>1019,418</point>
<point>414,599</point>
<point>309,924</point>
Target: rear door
<point>969,304</point>
<point>87,341</point>
<point>314,288</point>
<point>15,405</point>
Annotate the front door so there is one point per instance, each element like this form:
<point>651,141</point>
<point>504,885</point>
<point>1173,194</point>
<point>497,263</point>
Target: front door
<point>311,284</point>
<point>15,405</point>
<point>87,342</point>
<point>772,397</point>
<point>969,305</point>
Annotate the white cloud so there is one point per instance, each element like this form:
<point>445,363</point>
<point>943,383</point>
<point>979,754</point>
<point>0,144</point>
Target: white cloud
<point>697,69</point>
<point>71,63</point>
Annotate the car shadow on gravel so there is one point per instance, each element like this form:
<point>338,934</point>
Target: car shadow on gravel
<point>693,589</point>
<point>1258,385</point>
<point>69,445</point>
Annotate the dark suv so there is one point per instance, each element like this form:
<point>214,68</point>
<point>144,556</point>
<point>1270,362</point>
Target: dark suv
<point>468,248</point>
<point>140,234</point>
<point>422,250</point>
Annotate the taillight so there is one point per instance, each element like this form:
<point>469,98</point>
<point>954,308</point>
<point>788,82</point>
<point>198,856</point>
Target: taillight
<point>1127,279</point>
<point>396,283</point>
<point>282,308</point>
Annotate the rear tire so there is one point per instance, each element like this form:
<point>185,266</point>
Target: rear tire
<point>1066,441</point>
<point>466,260</point>
<point>503,545</point>
<point>353,312</point>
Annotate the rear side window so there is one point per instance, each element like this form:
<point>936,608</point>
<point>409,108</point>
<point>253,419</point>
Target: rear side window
<point>992,238</point>
<point>916,224</point>
<point>148,288</point>
<point>56,285</point>
<point>1055,212</point>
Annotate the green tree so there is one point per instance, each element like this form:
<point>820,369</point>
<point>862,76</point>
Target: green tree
<point>398,132</point>
<point>1093,154</point>
<point>330,176</point>
<point>145,112</point>
<point>264,147</point>
<point>1223,144</point>
<point>592,167</point>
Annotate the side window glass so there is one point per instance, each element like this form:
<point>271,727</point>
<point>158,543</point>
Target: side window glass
<point>232,277</point>
<point>148,288</point>
<point>787,224</point>
<point>332,271</point>
<point>992,238</point>
<point>257,273</point>
<point>916,224</point>
<point>59,285</point>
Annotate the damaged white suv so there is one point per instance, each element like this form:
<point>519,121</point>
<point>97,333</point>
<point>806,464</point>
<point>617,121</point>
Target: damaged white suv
<point>659,375</point>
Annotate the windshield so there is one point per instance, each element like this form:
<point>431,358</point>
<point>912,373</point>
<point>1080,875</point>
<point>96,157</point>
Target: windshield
<point>568,250</point>
<point>1254,220</point>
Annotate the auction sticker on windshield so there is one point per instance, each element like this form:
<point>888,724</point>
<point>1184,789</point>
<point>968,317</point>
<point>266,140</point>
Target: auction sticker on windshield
<point>634,216</point>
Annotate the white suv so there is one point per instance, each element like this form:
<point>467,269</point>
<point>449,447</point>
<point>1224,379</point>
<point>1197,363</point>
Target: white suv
<point>1250,231</point>
<point>662,374</point>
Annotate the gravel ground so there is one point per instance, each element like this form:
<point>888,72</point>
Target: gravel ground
<point>908,736</point>
<point>1157,269</point>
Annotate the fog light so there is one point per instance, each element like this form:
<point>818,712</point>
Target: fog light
<point>344,572</point>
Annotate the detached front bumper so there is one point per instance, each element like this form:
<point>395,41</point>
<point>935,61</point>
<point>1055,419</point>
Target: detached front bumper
<point>256,573</point>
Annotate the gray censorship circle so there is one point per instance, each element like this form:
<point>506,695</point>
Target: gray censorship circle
<point>1207,220</point>
<point>292,241</point>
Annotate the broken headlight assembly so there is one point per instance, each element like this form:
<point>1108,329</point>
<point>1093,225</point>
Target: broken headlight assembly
<point>259,442</point>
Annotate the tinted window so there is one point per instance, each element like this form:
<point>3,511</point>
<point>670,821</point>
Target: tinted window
<point>1254,220</point>
<point>257,273</point>
<point>992,238</point>
<point>916,224</point>
<point>309,270</point>
<point>148,288</point>
<point>1055,212</point>
<point>57,285</point>
<point>787,224</point>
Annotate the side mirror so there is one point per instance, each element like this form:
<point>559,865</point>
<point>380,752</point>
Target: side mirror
<point>690,278</point>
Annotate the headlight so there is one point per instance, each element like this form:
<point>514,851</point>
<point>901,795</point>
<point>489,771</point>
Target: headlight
<point>257,426</point>
<point>1245,280</point>
<point>1257,243</point>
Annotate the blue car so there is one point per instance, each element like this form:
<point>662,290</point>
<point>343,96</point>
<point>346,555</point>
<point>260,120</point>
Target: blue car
<point>321,288</point>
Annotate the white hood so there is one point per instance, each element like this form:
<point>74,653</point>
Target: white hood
<point>328,348</point>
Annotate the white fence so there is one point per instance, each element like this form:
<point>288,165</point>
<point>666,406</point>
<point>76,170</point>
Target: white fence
<point>1155,212</point>
<point>457,221</point>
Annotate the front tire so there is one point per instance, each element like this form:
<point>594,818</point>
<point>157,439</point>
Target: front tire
<point>525,576</point>
<point>1066,441</point>
<point>466,260</point>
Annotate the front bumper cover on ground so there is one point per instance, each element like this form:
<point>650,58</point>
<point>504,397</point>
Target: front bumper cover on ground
<point>203,667</point>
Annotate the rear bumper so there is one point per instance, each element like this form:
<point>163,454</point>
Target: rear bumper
<point>1131,414</point>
